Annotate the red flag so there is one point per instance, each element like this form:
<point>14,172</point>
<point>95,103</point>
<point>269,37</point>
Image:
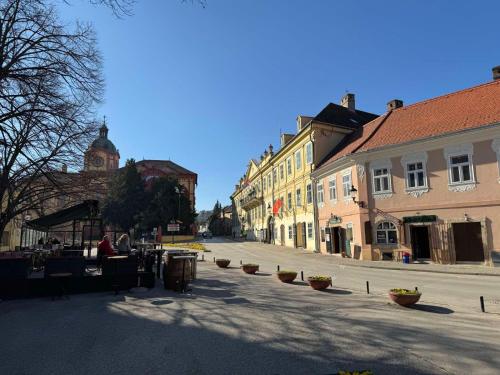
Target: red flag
<point>276,206</point>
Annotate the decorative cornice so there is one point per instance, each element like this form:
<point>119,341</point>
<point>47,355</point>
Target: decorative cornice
<point>460,188</point>
<point>414,157</point>
<point>465,148</point>
<point>417,192</point>
<point>381,163</point>
<point>382,195</point>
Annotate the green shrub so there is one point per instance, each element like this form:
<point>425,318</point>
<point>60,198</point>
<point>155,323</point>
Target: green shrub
<point>404,291</point>
<point>319,278</point>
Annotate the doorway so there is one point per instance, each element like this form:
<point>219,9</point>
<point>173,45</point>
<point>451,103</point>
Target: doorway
<point>468,242</point>
<point>282,235</point>
<point>328,240</point>
<point>420,242</point>
<point>270,230</point>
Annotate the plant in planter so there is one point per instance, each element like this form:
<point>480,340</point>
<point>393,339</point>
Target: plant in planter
<point>286,276</point>
<point>250,268</point>
<point>319,282</point>
<point>223,263</point>
<point>404,297</point>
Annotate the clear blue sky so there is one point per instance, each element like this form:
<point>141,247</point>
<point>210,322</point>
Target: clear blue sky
<point>211,88</point>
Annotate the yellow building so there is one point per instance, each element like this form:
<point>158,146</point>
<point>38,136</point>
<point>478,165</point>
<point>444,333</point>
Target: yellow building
<point>274,201</point>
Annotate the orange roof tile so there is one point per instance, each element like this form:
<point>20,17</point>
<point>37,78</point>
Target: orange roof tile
<point>466,109</point>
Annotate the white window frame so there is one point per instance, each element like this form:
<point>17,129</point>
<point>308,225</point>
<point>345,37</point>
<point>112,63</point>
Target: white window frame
<point>415,158</point>
<point>460,150</point>
<point>386,230</point>
<point>298,197</point>
<point>275,176</point>
<point>298,160</point>
<point>309,193</point>
<point>332,187</point>
<point>269,185</point>
<point>290,232</point>
<point>309,153</point>
<point>289,201</point>
<point>380,165</point>
<point>310,231</point>
<point>320,198</point>
<point>264,184</point>
<point>346,193</point>
<point>289,166</point>
<point>282,171</point>
<point>495,145</point>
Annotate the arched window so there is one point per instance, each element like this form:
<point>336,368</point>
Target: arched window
<point>387,233</point>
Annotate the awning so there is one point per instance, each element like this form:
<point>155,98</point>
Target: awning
<point>89,209</point>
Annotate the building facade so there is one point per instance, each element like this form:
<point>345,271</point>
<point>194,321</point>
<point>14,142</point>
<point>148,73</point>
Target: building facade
<point>274,200</point>
<point>422,179</point>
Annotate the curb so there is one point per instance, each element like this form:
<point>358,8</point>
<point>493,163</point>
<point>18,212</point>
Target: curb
<point>422,270</point>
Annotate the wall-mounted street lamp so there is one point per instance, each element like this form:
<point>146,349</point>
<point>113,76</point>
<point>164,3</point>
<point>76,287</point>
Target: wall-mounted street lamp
<point>269,208</point>
<point>354,192</point>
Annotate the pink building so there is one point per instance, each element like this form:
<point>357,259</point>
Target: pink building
<point>422,178</point>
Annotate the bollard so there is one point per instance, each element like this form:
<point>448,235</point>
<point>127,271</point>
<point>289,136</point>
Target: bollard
<point>278,268</point>
<point>416,289</point>
<point>481,299</point>
<point>302,275</point>
<point>367,287</point>
<point>202,257</point>
<point>241,262</point>
<point>214,259</point>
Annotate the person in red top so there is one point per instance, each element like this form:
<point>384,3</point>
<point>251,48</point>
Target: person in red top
<point>104,247</point>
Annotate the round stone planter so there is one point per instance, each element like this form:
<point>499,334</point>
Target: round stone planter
<point>405,299</point>
<point>250,268</point>
<point>286,277</point>
<point>223,263</point>
<point>319,284</point>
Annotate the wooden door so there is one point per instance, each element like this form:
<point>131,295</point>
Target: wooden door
<point>300,237</point>
<point>468,242</point>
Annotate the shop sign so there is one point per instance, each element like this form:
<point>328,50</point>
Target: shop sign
<point>334,219</point>
<point>419,219</point>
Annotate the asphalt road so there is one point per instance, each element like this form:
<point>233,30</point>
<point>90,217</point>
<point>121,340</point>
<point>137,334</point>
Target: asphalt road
<point>233,323</point>
<point>461,292</point>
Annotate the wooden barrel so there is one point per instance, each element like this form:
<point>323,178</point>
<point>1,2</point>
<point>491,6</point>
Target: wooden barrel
<point>173,271</point>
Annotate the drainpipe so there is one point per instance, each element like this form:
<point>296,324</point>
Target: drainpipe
<point>314,202</point>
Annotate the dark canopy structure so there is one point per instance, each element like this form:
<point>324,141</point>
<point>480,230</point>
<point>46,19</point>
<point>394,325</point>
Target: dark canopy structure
<point>85,212</point>
<point>88,210</point>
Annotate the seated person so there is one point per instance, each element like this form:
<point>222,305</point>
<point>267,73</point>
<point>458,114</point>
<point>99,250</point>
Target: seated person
<point>104,248</point>
<point>124,247</point>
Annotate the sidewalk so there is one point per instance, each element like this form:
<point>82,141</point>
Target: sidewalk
<point>457,269</point>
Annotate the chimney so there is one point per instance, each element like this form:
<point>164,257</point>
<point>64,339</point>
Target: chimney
<point>348,102</point>
<point>285,138</point>
<point>394,104</point>
<point>496,72</point>
<point>64,168</point>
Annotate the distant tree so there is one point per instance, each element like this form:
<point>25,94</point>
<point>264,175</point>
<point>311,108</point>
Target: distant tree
<point>126,199</point>
<point>167,201</point>
<point>215,222</point>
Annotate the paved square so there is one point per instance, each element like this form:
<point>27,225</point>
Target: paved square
<point>234,323</point>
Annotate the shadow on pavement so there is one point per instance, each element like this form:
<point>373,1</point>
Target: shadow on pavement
<point>336,291</point>
<point>432,309</point>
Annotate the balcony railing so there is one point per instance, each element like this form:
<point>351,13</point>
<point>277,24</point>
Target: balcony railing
<point>252,200</point>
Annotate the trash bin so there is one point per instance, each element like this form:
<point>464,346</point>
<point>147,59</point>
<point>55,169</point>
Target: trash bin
<point>406,258</point>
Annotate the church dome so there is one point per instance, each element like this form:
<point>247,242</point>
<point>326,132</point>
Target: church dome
<point>102,142</point>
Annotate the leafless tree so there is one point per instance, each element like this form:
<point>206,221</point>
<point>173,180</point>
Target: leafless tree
<point>50,81</point>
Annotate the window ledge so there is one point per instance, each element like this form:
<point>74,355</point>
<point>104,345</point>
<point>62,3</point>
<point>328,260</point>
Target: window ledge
<point>417,192</point>
<point>382,195</point>
<point>462,187</point>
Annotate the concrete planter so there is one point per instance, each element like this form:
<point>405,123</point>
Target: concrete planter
<point>319,284</point>
<point>250,268</point>
<point>404,299</point>
<point>223,263</point>
<point>286,276</point>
